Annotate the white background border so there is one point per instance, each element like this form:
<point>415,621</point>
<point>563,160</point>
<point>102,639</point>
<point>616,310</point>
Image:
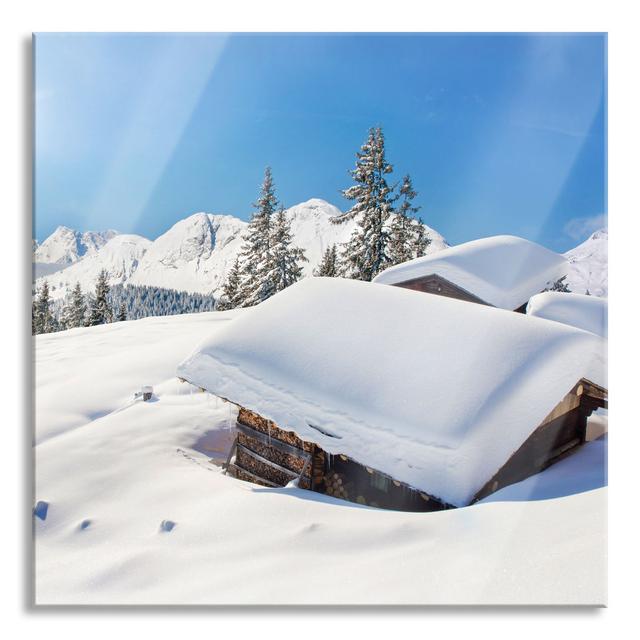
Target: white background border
<point>19,20</point>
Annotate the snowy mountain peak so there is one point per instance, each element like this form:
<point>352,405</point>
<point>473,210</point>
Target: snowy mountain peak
<point>66,246</point>
<point>314,207</point>
<point>187,240</point>
<point>600,235</point>
<point>119,257</point>
<point>588,265</point>
<point>196,253</point>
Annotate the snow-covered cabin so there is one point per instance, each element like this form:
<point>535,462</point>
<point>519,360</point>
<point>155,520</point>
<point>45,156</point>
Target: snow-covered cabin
<point>500,271</point>
<point>388,397</point>
<point>575,309</point>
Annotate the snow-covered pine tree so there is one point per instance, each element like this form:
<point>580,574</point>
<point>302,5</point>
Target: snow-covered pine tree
<point>44,320</point>
<point>403,227</point>
<point>122,312</point>
<point>559,285</point>
<point>421,240</point>
<point>230,298</point>
<point>328,267</point>
<point>66,314</point>
<point>75,310</point>
<point>283,266</point>
<point>34,315</point>
<point>100,312</point>
<point>255,252</point>
<point>408,238</point>
<point>366,253</point>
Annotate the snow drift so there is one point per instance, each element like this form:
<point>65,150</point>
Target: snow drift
<point>432,391</point>
<point>504,271</point>
<point>111,474</point>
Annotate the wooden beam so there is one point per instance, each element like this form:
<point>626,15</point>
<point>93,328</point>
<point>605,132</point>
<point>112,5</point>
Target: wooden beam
<point>234,446</point>
<point>254,478</point>
<point>263,460</point>
<point>271,441</point>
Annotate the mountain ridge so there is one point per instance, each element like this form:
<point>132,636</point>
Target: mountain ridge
<point>588,265</point>
<point>195,254</point>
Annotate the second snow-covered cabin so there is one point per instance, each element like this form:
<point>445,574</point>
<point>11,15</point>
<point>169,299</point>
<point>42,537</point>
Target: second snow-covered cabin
<point>500,271</point>
<point>585,312</point>
<point>391,398</point>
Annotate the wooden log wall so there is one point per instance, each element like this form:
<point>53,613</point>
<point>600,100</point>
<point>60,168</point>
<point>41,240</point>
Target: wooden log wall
<point>269,455</point>
<point>272,457</point>
<point>440,287</point>
<point>557,436</point>
<point>271,429</point>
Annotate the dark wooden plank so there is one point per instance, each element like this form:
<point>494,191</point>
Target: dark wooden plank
<point>237,471</point>
<point>270,463</point>
<point>440,286</point>
<point>270,441</point>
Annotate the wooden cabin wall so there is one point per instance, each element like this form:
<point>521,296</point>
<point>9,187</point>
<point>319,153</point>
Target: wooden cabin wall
<point>347,479</point>
<point>439,286</point>
<point>268,455</point>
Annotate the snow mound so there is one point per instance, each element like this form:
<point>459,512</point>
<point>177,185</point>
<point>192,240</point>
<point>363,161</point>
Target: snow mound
<point>504,271</point>
<point>588,265</point>
<point>433,391</point>
<point>136,466</point>
<point>584,312</point>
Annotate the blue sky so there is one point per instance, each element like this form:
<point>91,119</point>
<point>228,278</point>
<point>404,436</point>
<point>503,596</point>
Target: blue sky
<point>501,133</point>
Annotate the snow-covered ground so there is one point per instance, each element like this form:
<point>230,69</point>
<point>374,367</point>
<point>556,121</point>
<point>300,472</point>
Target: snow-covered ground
<point>129,509</point>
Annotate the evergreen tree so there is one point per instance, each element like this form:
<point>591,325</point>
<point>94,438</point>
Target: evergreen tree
<point>328,267</point>
<point>559,285</point>
<point>75,311</point>
<point>44,320</point>
<point>366,253</point>
<point>100,308</point>
<point>255,252</point>
<point>122,312</point>
<point>421,240</point>
<point>408,238</point>
<point>231,289</point>
<point>34,316</point>
<point>283,266</point>
<point>403,227</point>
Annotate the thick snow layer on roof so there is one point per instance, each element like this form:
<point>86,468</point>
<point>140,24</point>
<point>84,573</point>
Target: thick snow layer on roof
<point>433,391</point>
<point>585,312</point>
<point>504,271</point>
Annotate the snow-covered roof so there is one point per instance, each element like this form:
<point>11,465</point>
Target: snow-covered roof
<point>433,391</point>
<point>504,271</point>
<point>585,312</point>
